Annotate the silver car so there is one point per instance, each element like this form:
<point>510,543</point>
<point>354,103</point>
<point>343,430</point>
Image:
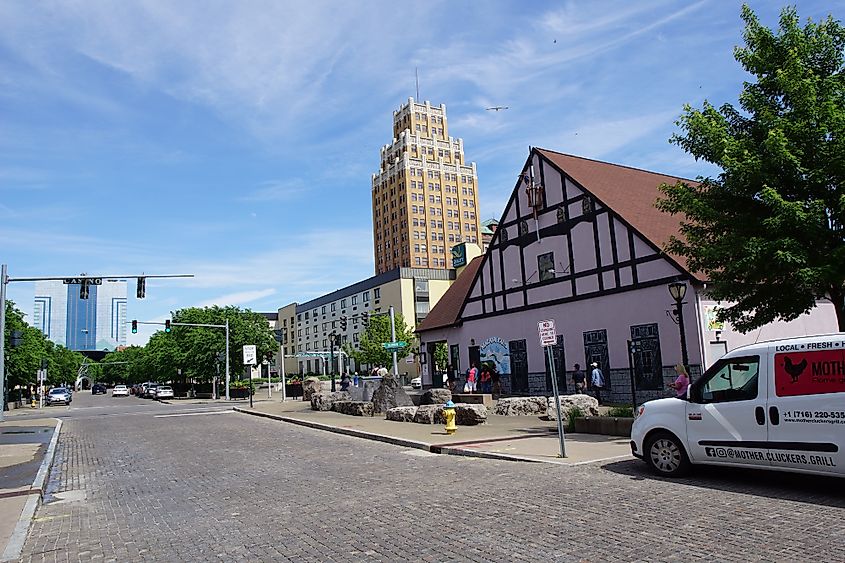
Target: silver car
<point>59,395</point>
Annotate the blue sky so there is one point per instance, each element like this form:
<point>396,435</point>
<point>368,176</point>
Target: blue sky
<point>236,140</point>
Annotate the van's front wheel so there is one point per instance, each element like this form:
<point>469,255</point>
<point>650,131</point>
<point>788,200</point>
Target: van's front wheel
<point>665,455</point>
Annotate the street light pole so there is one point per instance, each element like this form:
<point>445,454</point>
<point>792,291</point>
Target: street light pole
<point>2,340</point>
<point>331,359</point>
<point>678,290</point>
<point>227,359</point>
<point>393,339</point>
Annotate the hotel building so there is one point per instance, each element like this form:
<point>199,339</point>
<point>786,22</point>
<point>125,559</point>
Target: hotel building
<point>425,195</point>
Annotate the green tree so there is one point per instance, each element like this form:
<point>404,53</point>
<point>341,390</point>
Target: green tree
<point>124,366</point>
<point>769,230</point>
<point>370,349</point>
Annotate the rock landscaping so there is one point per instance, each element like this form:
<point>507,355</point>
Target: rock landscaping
<point>402,414</point>
<point>436,397</point>
<point>311,386</point>
<point>353,408</point>
<point>588,406</point>
<point>520,406</point>
<point>324,401</point>
<point>390,394</point>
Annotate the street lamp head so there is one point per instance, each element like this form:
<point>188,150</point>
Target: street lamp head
<point>678,290</point>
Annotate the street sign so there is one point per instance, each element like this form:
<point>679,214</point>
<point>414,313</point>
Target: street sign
<point>394,345</point>
<point>548,335</point>
<point>90,281</point>
<point>249,354</point>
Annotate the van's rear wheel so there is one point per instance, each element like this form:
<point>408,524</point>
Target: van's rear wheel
<point>665,455</point>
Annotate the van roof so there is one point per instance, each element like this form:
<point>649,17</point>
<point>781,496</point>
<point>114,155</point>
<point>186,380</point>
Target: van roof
<point>799,340</point>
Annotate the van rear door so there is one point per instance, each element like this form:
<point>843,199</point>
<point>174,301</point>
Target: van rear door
<point>806,407</point>
<point>726,413</point>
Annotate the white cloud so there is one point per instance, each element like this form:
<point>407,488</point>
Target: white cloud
<point>237,298</point>
<point>276,190</point>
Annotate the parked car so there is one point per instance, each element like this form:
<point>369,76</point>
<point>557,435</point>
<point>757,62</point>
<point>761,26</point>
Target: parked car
<point>98,389</point>
<point>772,405</point>
<point>120,391</point>
<point>58,395</point>
<point>164,392</point>
<point>416,383</point>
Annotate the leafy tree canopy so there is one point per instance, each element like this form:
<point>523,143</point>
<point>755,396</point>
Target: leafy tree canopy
<point>769,230</point>
<point>370,349</point>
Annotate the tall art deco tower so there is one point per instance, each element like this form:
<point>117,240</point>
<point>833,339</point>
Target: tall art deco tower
<point>425,196</point>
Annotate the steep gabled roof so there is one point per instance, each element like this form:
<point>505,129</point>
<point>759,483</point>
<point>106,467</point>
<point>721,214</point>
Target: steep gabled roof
<point>629,192</point>
<point>448,308</point>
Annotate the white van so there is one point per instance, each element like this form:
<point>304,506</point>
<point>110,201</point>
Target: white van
<point>772,405</point>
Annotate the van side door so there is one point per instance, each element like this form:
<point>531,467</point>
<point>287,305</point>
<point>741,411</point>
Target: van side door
<point>726,420</point>
<point>806,408</point>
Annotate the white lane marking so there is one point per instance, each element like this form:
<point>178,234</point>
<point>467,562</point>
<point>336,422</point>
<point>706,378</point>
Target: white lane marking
<point>192,414</point>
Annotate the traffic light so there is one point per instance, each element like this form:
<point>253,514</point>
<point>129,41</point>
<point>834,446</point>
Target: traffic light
<point>365,319</point>
<point>142,289</point>
<point>83,289</point>
<point>343,322</point>
<point>134,327</point>
<point>167,325</point>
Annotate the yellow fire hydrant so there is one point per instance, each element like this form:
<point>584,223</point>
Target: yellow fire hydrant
<point>449,415</point>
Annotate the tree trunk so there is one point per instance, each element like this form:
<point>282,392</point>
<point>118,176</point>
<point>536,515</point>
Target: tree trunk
<point>836,297</point>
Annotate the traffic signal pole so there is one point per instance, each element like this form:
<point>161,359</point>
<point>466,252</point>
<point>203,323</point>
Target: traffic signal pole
<point>83,280</point>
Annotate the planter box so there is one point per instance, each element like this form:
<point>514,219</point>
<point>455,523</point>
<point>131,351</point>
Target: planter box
<point>604,425</point>
<point>239,393</point>
<point>293,390</point>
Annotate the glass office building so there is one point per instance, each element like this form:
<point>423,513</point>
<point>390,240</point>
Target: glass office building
<point>96,323</point>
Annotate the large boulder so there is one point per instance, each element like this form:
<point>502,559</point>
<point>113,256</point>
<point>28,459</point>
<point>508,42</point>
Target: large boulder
<point>436,396</point>
<point>429,414</point>
<point>353,408</point>
<point>390,394</point>
<point>310,386</point>
<point>470,415</point>
<point>518,406</point>
<point>402,414</point>
<point>324,401</point>
<point>585,404</point>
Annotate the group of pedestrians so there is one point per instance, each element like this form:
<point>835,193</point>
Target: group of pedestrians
<point>595,384</point>
<point>484,380</point>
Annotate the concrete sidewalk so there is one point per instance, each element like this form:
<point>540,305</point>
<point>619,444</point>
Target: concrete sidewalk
<point>27,448</point>
<point>518,438</point>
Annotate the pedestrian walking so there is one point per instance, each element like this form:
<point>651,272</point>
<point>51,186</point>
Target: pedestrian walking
<point>486,379</point>
<point>451,378</point>
<point>472,375</point>
<point>497,382</point>
<point>597,381</point>
<point>344,382</point>
<point>579,379</point>
<point>680,384</point>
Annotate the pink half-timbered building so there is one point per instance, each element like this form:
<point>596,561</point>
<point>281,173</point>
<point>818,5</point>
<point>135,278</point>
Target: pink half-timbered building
<point>580,242</point>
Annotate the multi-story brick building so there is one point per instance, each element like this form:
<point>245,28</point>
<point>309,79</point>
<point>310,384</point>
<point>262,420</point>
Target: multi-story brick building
<point>425,195</point>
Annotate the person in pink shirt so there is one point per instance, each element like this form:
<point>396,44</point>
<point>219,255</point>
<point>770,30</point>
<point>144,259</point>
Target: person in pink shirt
<point>472,378</point>
<point>681,383</point>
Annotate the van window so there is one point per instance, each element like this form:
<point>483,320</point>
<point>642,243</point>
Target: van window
<point>728,380</point>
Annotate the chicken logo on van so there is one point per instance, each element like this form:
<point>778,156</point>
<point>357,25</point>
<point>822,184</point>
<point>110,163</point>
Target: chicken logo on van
<point>794,370</point>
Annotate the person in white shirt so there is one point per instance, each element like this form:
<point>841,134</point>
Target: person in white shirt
<point>597,381</point>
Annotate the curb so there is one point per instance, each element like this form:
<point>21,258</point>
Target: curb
<point>16,542</point>
<point>432,448</point>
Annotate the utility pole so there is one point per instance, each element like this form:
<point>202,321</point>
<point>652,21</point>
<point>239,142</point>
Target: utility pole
<point>393,339</point>
<point>331,359</point>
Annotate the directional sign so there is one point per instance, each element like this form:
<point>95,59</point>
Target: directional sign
<point>548,335</point>
<point>89,281</point>
<point>394,345</point>
<point>249,354</point>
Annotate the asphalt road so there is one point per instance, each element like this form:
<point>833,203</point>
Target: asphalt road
<point>140,481</point>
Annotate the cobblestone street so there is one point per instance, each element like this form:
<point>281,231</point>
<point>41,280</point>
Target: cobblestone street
<point>230,487</point>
